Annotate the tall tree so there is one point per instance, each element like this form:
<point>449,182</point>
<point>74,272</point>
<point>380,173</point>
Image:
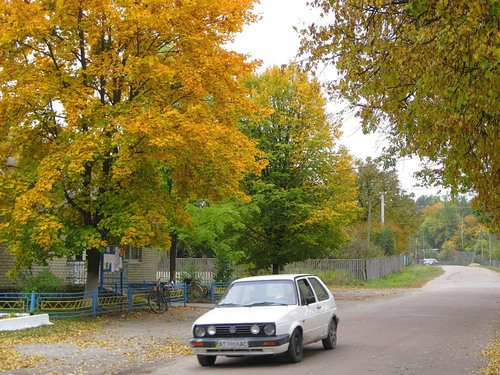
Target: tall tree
<point>442,225</point>
<point>428,72</point>
<point>306,195</point>
<point>401,218</point>
<point>372,183</point>
<point>116,113</point>
<point>451,226</point>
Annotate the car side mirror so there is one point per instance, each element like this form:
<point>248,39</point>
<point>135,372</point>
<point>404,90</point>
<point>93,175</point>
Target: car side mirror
<point>310,299</point>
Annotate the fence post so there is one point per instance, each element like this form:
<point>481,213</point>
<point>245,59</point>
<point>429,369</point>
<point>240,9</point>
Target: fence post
<point>130,293</point>
<point>212,290</point>
<point>185,294</point>
<point>94,302</point>
<point>32,302</point>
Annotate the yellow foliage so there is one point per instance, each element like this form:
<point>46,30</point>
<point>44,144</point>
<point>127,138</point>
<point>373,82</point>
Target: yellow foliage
<point>117,114</point>
<point>425,73</point>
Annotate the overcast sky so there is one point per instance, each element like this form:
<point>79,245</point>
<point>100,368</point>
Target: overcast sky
<point>273,41</point>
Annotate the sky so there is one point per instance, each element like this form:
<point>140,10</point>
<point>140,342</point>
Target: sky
<point>273,40</point>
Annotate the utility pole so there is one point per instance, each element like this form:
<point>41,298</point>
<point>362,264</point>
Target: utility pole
<point>489,246</point>
<point>481,244</point>
<point>382,205</point>
<point>369,220</point>
<point>462,231</point>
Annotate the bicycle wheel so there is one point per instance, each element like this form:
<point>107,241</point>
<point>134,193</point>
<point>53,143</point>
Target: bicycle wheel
<point>157,302</point>
<point>194,293</point>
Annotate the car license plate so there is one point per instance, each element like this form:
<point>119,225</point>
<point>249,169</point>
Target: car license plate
<point>232,344</point>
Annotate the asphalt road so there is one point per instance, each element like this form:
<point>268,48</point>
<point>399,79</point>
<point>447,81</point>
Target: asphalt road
<point>438,329</point>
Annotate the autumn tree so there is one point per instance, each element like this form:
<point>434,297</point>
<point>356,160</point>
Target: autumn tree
<point>442,225</point>
<point>372,183</point>
<point>451,226</point>
<point>305,197</point>
<point>426,71</point>
<point>116,113</point>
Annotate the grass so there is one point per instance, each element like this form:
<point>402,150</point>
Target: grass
<point>339,278</point>
<point>410,277</point>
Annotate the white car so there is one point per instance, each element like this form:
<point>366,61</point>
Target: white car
<point>430,261</point>
<point>265,315</point>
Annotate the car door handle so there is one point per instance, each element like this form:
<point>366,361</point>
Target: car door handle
<point>318,307</point>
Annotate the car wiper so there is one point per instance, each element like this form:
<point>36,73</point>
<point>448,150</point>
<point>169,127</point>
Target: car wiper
<point>228,305</point>
<point>267,304</point>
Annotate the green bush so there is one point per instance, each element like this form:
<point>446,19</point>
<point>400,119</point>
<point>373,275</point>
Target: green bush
<point>223,270</point>
<point>384,238</point>
<point>43,282</point>
<point>190,271</point>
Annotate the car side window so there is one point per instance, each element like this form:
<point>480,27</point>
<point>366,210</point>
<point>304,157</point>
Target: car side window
<point>320,290</point>
<point>305,291</point>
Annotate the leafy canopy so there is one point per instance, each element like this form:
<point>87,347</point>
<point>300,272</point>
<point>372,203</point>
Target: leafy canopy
<point>427,72</point>
<point>305,197</point>
<point>113,114</point>
<point>451,226</point>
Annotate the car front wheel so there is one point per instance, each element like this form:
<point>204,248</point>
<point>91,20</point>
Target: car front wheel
<point>206,360</point>
<point>294,353</point>
<point>331,340</point>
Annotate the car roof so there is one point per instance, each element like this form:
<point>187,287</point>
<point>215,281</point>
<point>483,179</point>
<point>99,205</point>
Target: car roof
<point>292,277</point>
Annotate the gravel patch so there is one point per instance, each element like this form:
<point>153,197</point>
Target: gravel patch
<point>360,294</point>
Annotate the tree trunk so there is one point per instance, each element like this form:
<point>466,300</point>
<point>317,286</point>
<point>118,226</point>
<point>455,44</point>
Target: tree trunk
<point>93,261</point>
<point>276,269</point>
<point>173,256</point>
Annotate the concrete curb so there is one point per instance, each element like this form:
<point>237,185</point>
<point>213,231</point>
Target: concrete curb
<point>22,322</point>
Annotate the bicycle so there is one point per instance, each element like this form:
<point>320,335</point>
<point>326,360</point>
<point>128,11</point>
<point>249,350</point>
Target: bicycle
<point>159,297</point>
<point>194,291</point>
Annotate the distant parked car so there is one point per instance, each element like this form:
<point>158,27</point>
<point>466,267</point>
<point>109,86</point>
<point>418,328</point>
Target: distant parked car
<point>262,315</point>
<point>431,261</point>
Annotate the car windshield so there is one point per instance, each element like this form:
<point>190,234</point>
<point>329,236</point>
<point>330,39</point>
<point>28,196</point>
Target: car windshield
<point>260,293</point>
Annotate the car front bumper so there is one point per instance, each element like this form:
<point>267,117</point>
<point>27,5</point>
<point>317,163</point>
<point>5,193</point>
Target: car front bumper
<point>228,346</point>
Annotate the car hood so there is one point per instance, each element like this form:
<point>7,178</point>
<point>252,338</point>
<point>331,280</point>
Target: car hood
<point>255,314</point>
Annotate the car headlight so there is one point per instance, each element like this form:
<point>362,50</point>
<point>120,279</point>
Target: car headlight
<point>269,329</point>
<point>211,330</point>
<point>255,329</point>
<point>199,331</point>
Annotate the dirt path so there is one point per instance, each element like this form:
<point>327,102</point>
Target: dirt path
<point>134,343</point>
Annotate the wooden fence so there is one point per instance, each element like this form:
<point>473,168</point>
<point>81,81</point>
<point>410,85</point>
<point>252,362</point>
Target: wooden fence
<point>363,269</point>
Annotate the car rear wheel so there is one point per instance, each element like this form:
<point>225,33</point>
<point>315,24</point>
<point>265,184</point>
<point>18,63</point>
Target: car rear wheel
<point>294,353</point>
<point>206,360</point>
<point>331,340</point>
